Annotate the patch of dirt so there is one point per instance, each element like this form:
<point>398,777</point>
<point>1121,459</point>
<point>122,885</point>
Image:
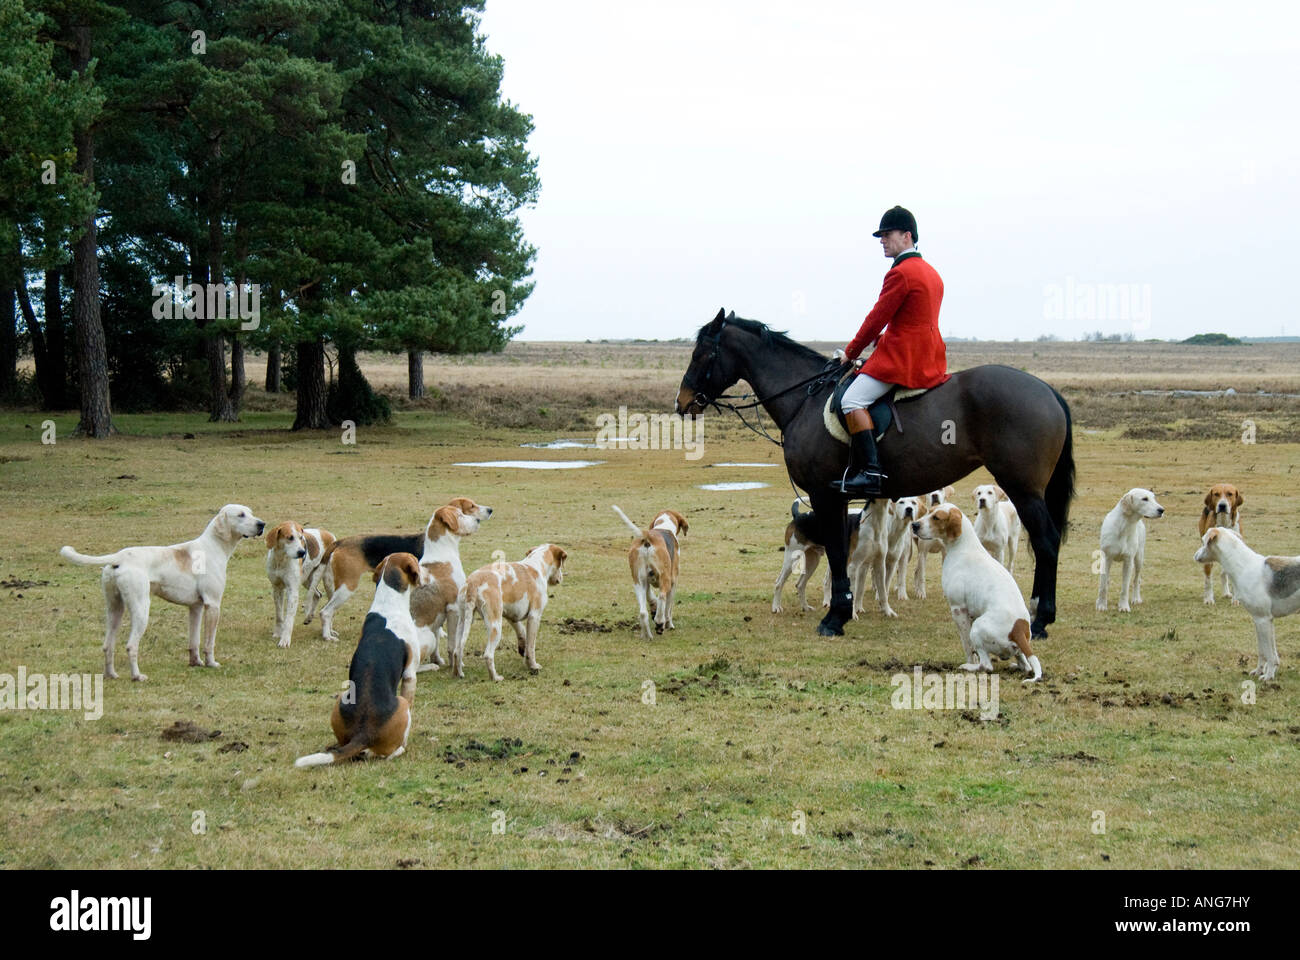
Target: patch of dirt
<point>235,746</point>
<point>13,583</point>
<point>188,732</point>
<point>1077,755</point>
<point>475,750</point>
<point>579,625</point>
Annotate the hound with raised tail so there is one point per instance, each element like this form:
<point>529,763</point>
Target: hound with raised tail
<point>508,591</point>
<point>192,574</point>
<point>985,602</point>
<point>1220,511</point>
<point>653,559</point>
<point>350,558</point>
<point>923,548</point>
<point>997,524</point>
<point>1124,537</point>
<point>373,714</point>
<point>1267,587</point>
<point>799,542</point>
<point>292,553</point>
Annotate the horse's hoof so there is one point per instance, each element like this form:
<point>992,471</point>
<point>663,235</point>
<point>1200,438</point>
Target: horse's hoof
<point>829,631</point>
<point>1038,631</point>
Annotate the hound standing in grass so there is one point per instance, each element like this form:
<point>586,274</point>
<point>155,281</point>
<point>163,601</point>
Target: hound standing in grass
<point>997,525</point>
<point>1222,504</point>
<point>192,574</point>
<point>507,591</point>
<point>1124,537</point>
<point>292,553</point>
<point>1267,587</point>
<point>983,598</point>
<point>653,559</point>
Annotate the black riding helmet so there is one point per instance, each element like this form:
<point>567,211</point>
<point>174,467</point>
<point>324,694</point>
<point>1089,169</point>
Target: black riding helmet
<point>898,218</point>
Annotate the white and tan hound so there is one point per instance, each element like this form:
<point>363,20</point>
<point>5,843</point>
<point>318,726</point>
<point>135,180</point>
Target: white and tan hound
<point>372,715</point>
<point>192,574</point>
<point>799,543</point>
<point>997,524</point>
<point>903,512</point>
<point>1124,538</point>
<point>923,548</point>
<point>507,591</point>
<point>1222,504</point>
<point>1267,587</point>
<point>653,558</point>
<point>433,607</point>
<point>352,557</point>
<point>292,553</point>
<point>985,603</point>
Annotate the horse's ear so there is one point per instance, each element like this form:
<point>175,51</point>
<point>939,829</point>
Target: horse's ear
<point>722,314</point>
<point>731,315</point>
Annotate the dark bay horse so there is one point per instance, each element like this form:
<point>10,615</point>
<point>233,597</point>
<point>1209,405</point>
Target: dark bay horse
<point>1005,419</point>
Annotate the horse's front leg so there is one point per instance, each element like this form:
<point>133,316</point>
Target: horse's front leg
<point>833,523</point>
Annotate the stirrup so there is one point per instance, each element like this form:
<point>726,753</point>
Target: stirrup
<point>865,483</point>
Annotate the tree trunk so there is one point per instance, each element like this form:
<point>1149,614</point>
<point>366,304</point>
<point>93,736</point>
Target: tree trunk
<point>311,387</point>
<point>55,392</point>
<point>238,377</point>
<point>273,369</point>
<point>415,374</point>
<point>92,355</point>
<point>8,340</point>
<point>220,409</point>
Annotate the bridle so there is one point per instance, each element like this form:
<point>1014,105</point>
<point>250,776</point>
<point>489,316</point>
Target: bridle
<point>719,403</point>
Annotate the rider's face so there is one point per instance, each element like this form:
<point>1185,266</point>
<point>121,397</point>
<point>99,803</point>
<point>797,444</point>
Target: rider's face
<point>894,242</point>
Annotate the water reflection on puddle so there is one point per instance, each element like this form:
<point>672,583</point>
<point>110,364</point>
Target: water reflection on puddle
<point>745,485</point>
<point>533,464</point>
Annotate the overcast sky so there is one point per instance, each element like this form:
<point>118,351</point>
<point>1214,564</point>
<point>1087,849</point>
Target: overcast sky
<point>1123,167</point>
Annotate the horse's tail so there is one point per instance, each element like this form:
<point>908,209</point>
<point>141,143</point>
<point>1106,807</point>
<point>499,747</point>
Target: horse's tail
<point>1060,488</point>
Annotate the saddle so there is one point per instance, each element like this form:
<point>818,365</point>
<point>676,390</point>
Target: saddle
<point>883,412</point>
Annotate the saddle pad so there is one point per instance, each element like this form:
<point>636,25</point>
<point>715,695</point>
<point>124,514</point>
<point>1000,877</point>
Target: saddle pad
<point>881,415</point>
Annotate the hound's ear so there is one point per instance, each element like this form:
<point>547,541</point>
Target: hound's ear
<point>922,508</point>
<point>449,516</point>
<point>1002,494</point>
<point>1236,495</point>
<point>411,567</point>
<point>1209,500</point>
<point>682,525</point>
<point>560,556</point>
<point>273,538</point>
<point>379,570</point>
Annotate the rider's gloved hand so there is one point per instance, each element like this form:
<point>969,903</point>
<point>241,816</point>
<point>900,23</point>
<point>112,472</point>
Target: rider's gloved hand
<point>839,355</point>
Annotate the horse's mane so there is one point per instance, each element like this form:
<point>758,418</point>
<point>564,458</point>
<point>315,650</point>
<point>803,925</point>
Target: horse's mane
<point>770,338</point>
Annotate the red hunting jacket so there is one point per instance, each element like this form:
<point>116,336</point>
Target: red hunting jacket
<point>910,352</point>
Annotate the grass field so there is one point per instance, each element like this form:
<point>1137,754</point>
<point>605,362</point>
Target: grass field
<point>756,720</point>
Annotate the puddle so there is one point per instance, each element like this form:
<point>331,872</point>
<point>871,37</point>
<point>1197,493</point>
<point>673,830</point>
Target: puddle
<point>743,464</point>
<point>745,485</point>
<point>533,464</point>
<point>561,445</point>
<point>1230,392</point>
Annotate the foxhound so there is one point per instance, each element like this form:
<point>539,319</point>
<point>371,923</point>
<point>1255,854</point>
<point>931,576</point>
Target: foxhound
<point>1220,511</point>
<point>434,605</point>
<point>372,714</point>
<point>997,525</point>
<point>192,574</point>
<point>1124,537</point>
<point>1267,587</point>
<point>991,616</point>
<point>292,553</point>
<point>799,543</point>
<point>350,558</point>
<point>653,559</point>
<point>508,591</point>
<point>922,548</point>
<point>902,513</point>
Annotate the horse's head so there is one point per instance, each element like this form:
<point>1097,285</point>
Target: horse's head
<point>712,370</point>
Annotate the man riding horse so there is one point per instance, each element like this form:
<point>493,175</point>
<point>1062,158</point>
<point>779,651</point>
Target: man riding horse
<point>904,325</point>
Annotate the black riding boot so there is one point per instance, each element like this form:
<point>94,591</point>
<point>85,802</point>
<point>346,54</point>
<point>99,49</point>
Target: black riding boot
<point>865,482</point>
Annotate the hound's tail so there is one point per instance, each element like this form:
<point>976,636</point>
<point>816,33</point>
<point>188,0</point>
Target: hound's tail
<point>67,553</point>
<point>318,571</point>
<point>636,531</point>
<point>794,510</point>
<point>341,754</point>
